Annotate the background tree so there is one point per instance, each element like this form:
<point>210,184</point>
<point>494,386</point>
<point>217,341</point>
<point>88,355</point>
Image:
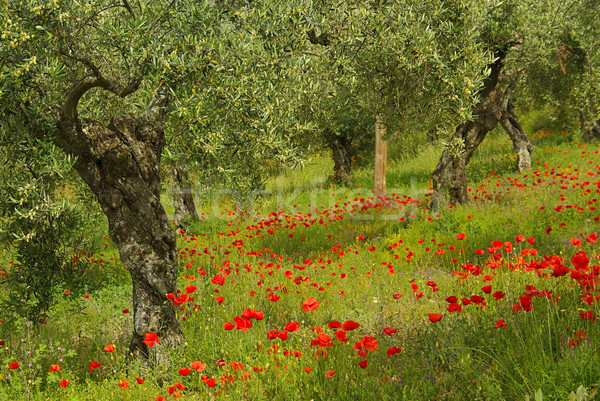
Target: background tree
<point>518,35</point>
<point>413,63</point>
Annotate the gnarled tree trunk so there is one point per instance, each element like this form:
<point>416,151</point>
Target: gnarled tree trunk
<point>340,150</point>
<point>520,140</point>
<point>589,127</point>
<point>120,163</point>
<point>449,176</point>
<point>183,199</point>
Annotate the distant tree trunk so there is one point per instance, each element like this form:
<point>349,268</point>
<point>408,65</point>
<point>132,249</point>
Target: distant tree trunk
<point>449,176</point>
<point>341,152</point>
<point>120,163</point>
<point>589,127</point>
<point>520,140</point>
<point>380,158</point>
<point>183,199</point>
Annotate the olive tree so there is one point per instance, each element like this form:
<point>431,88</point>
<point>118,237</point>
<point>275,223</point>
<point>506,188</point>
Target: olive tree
<point>519,35</point>
<point>412,65</point>
<point>110,83</point>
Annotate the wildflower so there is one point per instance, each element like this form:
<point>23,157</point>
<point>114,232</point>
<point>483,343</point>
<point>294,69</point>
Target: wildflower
<point>393,350</point>
<point>184,371</point>
<point>310,304</point>
<point>198,366</point>
<point>350,325</point>
<point>292,326</point>
<point>150,339</point>
<point>94,365</point>
<point>435,317</point>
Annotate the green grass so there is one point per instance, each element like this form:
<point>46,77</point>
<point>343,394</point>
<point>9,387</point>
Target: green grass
<point>339,246</point>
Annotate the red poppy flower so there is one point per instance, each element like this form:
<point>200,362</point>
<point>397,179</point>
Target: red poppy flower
<point>94,365</point>
<point>435,317</point>
<point>228,326</point>
<point>150,339</point>
<point>307,370</point>
<point>54,368</point>
<point>363,364</point>
<point>329,373</point>
<point>350,325</point>
<point>498,295</point>
<point>580,260</point>
<point>341,336</point>
<point>125,311</point>
<point>588,315</point>
<point>460,236</point>
<point>477,300</point>
<point>396,295</point>
<point>160,398</point>
<point>487,289</point>
<point>592,238</point>
<point>198,366</point>
<point>292,326</point>
<point>221,362</point>
<point>109,348</point>
<point>210,382</point>
<point>123,383</point>
<point>452,299</point>
<point>63,383</point>
<point>242,324</point>
<point>500,324</point>
<point>140,380</point>
<point>548,230</point>
<point>389,331</point>
<point>14,365</point>
<point>190,288</point>
<point>520,238</point>
<point>393,350</point>
<point>454,307</point>
<point>575,242</point>
<point>334,324</point>
<point>184,371</point>
<point>310,304</point>
<point>220,300</point>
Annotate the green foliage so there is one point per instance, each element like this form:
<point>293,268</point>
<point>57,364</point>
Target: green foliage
<point>45,236</point>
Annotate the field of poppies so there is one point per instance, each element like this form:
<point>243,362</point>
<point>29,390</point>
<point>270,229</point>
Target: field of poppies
<point>312,292</point>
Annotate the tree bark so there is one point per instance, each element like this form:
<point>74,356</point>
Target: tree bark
<point>341,153</point>
<point>520,140</point>
<point>589,127</point>
<point>120,163</point>
<point>183,199</point>
<point>449,176</point>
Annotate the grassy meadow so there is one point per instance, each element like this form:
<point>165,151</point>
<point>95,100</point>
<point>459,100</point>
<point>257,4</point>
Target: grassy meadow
<point>308,291</point>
